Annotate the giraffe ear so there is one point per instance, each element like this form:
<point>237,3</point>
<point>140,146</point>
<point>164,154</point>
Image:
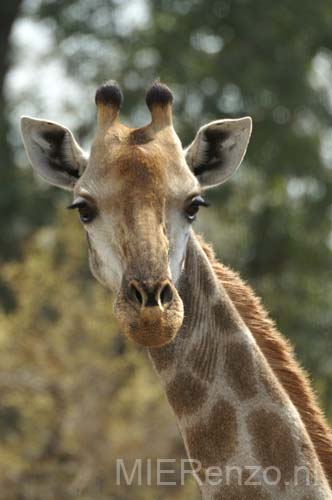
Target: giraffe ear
<point>53,152</point>
<point>218,150</point>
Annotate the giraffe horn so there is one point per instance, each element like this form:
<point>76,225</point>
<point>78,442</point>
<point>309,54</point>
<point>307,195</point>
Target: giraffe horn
<point>159,100</point>
<point>108,100</point>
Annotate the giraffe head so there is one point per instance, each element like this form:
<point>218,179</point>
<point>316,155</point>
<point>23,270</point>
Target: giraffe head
<point>137,194</point>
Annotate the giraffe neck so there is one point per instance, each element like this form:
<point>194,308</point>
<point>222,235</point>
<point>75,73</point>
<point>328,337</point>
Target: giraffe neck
<point>238,424</point>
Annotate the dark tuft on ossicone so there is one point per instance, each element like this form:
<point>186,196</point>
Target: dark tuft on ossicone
<point>109,93</point>
<point>158,94</point>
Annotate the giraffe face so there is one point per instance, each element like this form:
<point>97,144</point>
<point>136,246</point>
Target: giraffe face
<point>137,195</point>
<point>138,198</point>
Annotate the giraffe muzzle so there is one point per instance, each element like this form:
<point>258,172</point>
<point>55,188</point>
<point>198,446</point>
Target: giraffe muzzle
<point>150,312</point>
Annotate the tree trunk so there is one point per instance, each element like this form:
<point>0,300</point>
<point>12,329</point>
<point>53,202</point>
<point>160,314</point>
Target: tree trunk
<point>9,10</point>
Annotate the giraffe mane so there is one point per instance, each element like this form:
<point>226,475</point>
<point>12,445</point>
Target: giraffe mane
<point>280,356</point>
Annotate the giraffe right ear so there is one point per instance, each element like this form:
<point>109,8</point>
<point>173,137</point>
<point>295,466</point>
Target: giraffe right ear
<point>218,150</point>
<point>53,152</point>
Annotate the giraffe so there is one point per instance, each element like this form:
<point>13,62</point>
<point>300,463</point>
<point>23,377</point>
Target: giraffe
<point>245,409</point>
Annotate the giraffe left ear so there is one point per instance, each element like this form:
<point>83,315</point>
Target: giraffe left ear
<point>218,150</point>
<point>53,152</point>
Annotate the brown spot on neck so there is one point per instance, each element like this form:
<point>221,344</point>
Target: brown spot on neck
<point>225,318</point>
<point>240,370</point>
<point>186,393</point>
<point>273,443</point>
<point>213,442</point>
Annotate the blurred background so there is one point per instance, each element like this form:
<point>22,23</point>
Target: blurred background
<point>74,394</point>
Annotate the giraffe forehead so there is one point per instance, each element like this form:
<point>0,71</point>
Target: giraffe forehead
<point>150,171</point>
<point>119,173</point>
<point>141,168</point>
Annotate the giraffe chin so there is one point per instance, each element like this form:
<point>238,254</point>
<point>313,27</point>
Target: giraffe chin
<point>151,326</point>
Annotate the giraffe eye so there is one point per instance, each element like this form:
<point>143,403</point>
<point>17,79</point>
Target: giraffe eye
<point>193,207</point>
<point>86,210</point>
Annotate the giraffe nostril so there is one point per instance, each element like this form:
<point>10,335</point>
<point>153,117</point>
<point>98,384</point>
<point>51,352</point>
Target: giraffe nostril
<point>138,296</point>
<point>150,295</point>
<point>135,294</point>
<point>166,294</point>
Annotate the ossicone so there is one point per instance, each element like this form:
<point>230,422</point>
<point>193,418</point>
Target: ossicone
<point>159,100</point>
<point>108,99</point>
